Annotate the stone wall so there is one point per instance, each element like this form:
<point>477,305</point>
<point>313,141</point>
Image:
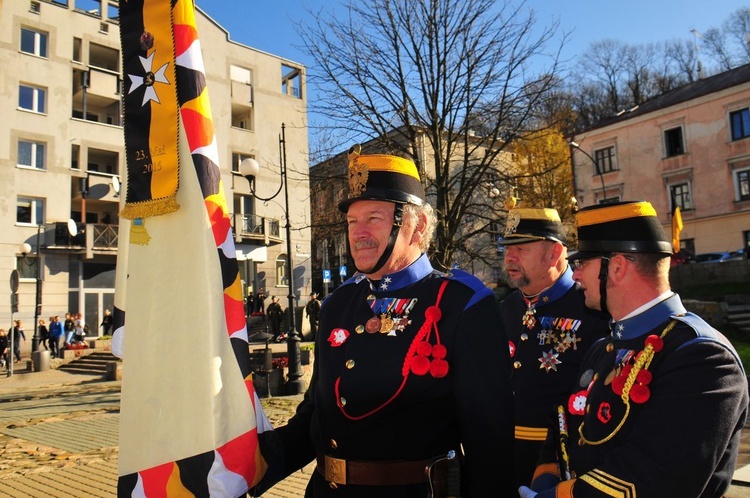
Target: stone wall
<point>695,274</point>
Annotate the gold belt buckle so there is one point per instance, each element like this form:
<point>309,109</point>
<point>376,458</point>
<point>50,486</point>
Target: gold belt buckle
<point>335,470</point>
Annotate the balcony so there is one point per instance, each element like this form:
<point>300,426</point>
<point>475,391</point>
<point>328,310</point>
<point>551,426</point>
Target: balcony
<point>91,238</point>
<point>256,229</point>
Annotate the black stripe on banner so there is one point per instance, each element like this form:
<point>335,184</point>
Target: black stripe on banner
<point>137,116</point>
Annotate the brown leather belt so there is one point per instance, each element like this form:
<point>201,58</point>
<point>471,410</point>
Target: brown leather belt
<point>362,473</point>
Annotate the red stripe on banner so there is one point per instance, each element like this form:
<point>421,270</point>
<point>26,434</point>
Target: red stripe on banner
<point>235,314</point>
<point>200,131</point>
<point>155,480</point>
<point>235,455</point>
<point>184,36</point>
<point>219,222</point>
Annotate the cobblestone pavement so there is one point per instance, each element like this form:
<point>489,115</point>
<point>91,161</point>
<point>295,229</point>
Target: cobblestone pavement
<point>59,438</point>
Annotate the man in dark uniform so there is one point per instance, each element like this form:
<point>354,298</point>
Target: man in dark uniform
<point>659,405</point>
<point>312,311</point>
<point>549,327</point>
<point>411,364</point>
<point>276,314</point>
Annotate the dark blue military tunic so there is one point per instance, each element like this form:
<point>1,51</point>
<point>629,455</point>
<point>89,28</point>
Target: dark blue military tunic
<point>370,400</point>
<point>656,412</point>
<point>547,343</point>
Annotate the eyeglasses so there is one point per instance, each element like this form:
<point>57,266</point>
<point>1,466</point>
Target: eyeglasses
<point>580,264</point>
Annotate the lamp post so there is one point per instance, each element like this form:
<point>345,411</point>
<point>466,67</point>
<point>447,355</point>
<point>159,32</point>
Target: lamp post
<point>26,249</point>
<point>249,168</point>
<point>599,171</point>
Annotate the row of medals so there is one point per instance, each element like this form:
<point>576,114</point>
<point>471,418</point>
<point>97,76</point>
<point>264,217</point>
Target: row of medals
<point>383,324</point>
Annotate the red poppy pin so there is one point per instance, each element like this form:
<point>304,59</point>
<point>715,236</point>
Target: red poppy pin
<point>338,337</point>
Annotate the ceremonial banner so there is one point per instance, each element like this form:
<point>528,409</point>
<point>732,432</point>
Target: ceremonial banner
<point>189,417</point>
<point>676,225</point>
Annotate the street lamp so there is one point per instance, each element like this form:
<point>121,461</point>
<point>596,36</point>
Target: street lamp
<point>249,168</point>
<point>599,171</point>
<point>25,249</point>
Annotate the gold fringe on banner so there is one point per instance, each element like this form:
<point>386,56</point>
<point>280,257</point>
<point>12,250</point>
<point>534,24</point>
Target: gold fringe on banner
<point>154,207</point>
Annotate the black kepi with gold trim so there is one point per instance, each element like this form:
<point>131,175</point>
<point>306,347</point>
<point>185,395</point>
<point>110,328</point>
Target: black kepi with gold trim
<point>631,226</point>
<point>525,225</point>
<point>382,177</point>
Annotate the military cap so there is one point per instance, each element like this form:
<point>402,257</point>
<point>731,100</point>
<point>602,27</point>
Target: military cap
<point>630,226</point>
<point>382,177</point>
<point>525,225</point>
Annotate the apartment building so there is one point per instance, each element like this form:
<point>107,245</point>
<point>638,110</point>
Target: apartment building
<point>689,147</point>
<point>62,156</point>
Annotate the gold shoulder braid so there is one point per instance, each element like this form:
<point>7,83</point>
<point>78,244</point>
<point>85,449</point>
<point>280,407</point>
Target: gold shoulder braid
<point>642,363</point>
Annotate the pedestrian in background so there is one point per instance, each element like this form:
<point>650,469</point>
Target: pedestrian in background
<point>68,327</point>
<point>18,336</point>
<point>4,350</point>
<point>312,311</point>
<point>55,333</point>
<point>659,405</point>
<point>549,327</point>
<point>107,322</point>
<point>275,314</point>
<point>411,364</point>
<point>79,331</point>
<point>260,301</point>
<point>43,333</point>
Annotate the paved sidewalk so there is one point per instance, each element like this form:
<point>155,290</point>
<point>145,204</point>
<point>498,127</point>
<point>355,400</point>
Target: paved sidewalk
<point>59,438</point>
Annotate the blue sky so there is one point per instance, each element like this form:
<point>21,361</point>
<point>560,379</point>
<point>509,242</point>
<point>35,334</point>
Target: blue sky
<point>268,25</point>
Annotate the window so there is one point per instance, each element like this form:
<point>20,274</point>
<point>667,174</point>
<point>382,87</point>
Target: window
<point>743,184</point>
<point>673,144</point>
<point>26,266</point>
<point>33,42</point>
<point>30,211</point>
<point>237,158</point>
<point>605,160</point>
<point>77,49</point>
<point>32,98</point>
<point>291,81</point>
<point>680,192</point>
<point>281,276</point>
<point>739,121</point>
<point>31,154</point>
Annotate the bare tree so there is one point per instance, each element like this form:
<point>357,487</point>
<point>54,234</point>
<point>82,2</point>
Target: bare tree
<point>393,70</point>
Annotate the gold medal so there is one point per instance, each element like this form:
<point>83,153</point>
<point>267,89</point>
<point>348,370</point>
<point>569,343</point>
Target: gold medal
<point>386,325</point>
<point>372,325</point>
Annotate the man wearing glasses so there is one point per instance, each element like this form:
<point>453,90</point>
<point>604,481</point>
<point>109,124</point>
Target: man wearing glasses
<point>658,406</point>
<point>549,328</point>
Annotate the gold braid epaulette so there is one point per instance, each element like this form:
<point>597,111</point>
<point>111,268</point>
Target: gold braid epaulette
<point>643,362</point>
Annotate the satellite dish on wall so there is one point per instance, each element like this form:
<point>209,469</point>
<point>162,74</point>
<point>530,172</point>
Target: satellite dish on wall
<point>116,185</point>
<point>72,228</point>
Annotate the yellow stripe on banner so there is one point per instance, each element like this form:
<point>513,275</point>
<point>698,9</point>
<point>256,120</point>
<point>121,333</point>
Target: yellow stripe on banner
<point>164,114</point>
<point>614,213</point>
<point>531,433</point>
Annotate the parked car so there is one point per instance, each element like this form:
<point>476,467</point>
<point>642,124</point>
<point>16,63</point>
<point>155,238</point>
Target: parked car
<point>738,255</point>
<point>682,257</point>
<point>712,257</point>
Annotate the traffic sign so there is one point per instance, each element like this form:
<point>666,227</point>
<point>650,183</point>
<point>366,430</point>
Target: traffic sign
<point>326,276</point>
<point>342,271</point>
<point>14,278</point>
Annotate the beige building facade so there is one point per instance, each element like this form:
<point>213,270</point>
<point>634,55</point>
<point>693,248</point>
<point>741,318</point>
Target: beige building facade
<point>62,156</point>
<point>689,147</point>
